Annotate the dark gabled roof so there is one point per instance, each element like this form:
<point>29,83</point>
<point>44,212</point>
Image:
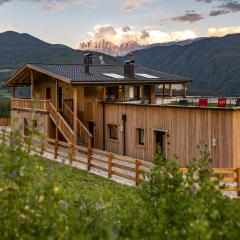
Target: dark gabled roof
<point>75,74</point>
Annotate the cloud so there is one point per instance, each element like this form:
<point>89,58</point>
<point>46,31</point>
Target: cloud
<point>188,17</point>
<point>225,8</point>
<point>222,31</point>
<point>135,4</point>
<point>50,5</point>
<point>118,35</point>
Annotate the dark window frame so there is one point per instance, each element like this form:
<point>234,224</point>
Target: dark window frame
<point>113,133</point>
<point>141,136</point>
<point>136,92</point>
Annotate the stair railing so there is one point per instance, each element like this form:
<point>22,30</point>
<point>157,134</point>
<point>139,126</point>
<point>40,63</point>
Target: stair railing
<point>61,123</point>
<point>81,128</point>
<point>68,113</point>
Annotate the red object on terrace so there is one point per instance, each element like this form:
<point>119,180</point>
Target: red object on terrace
<point>203,102</point>
<point>222,102</point>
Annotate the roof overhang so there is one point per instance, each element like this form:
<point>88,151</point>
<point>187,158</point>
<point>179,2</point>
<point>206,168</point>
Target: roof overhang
<point>22,77</point>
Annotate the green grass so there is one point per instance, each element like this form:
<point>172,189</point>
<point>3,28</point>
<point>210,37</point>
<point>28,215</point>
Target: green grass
<point>80,184</point>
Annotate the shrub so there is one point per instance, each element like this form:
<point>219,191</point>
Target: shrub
<point>34,203</point>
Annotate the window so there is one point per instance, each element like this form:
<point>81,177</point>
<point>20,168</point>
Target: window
<point>28,127</point>
<point>113,132</point>
<point>112,93</point>
<point>136,92</point>
<point>48,93</point>
<point>141,140</point>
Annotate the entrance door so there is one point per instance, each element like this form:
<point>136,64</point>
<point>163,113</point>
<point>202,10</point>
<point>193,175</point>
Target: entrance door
<point>60,98</point>
<point>91,130</point>
<point>160,141</point>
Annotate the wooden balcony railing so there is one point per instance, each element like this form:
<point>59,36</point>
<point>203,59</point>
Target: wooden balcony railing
<point>28,104</point>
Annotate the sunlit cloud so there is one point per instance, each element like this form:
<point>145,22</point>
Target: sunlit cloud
<point>129,33</point>
<point>49,5</point>
<point>135,4</point>
<point>222,31</point>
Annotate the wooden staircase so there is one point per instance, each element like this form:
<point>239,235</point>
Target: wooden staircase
<point>64,122</point>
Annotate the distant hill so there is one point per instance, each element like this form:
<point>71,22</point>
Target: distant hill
<point>17,49</point>
<point>212,63</point>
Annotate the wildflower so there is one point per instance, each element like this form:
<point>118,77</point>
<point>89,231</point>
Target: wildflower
<point>198,146</point>
<point>56,189</point>
<point>63,204</point>
<point>41,198</point>
<point>63,161</point>
<point>13,174</point>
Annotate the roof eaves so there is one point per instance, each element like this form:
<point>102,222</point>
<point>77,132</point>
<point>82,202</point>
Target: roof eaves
<point>44,71</point>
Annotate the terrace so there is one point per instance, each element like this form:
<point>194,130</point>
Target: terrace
<point>186,102</point>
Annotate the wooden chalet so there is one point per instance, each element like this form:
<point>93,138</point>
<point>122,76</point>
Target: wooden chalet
<point>124,109</point>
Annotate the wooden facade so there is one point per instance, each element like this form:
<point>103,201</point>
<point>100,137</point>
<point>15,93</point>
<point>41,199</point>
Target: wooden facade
<point>101,115</point>
<point>185,129</point>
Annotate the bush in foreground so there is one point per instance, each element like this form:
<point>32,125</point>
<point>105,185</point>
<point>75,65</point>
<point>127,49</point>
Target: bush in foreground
<point>39,201</point>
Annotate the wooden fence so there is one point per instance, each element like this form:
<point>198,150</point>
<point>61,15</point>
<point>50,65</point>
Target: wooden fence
<point>5,121</point>
<point>112,164</point>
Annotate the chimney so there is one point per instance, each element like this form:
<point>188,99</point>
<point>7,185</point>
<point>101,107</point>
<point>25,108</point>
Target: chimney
<point>87,62</point>
<point>129,69</point>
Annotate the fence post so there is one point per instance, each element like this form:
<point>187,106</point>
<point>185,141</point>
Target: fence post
<point>238,181</point>
<point>89,159</point>
<point>55,149</point>
<point>137,163</point>
<point>72,153</point>
<point>109,165</point>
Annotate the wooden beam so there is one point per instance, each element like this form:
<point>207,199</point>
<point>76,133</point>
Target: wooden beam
<point>153,94</point>
<point>56,95</point>
<point>75,110</point>
<point>57,107</point>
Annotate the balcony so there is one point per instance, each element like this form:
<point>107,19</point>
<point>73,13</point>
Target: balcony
<point>29,104</point>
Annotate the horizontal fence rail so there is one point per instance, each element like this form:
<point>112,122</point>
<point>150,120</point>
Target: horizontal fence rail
<point>112,164</point>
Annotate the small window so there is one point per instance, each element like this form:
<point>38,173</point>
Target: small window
<point>141,140</point>
<point>48,93</point>
<point>113,132</point>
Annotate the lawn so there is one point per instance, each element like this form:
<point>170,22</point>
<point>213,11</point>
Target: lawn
<point>77,183</point>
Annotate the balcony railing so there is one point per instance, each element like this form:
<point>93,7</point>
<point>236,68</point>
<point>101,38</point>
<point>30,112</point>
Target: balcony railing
<point>28,104</point>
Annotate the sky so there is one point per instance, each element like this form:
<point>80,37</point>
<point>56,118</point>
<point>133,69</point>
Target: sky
<point>70,22</point>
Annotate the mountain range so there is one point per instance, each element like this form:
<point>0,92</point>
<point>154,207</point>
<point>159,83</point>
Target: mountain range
<point>108,47</point>
<point>17,49</point>
<point>213,64</point>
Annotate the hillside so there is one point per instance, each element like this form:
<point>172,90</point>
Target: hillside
<point>17,49</point>
<point>212,63</point>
